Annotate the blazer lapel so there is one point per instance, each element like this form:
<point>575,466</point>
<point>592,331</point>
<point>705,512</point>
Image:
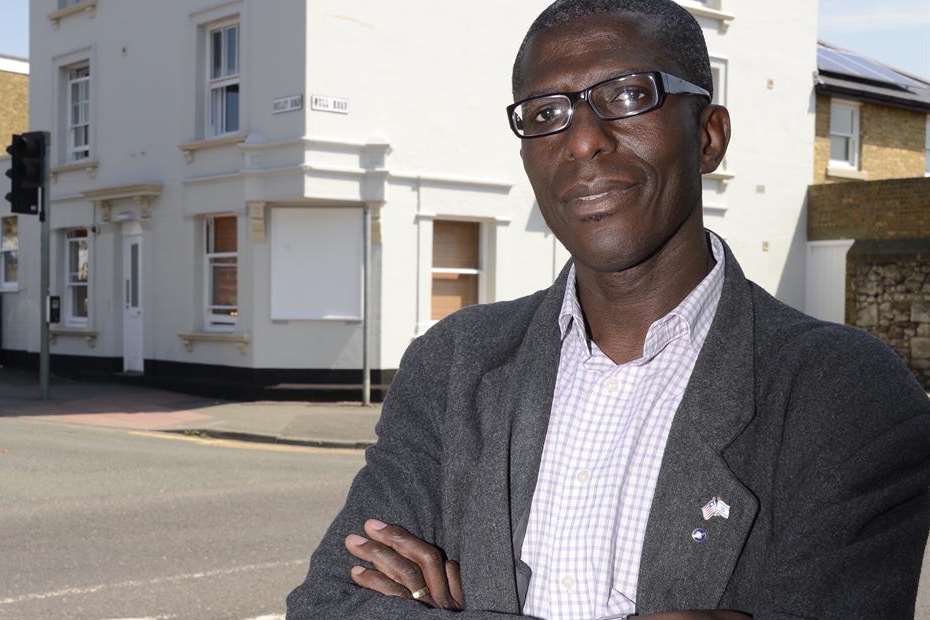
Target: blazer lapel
<point>513,408</point>
<point>687,560</point>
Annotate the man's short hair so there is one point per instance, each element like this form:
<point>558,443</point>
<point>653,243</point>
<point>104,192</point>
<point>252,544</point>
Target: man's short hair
<point>678,32</point>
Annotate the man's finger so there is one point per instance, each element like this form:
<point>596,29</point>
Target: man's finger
<point>387,561</point>
<point>454,577</point>
<point>430,559</point>
<point>374,580</point>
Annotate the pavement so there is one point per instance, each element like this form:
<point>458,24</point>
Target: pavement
<point>136,407</point>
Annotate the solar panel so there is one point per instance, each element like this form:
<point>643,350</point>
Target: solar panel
<point>845,63</point>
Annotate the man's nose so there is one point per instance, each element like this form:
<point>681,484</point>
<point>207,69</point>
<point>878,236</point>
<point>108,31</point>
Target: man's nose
<point>587,136</point>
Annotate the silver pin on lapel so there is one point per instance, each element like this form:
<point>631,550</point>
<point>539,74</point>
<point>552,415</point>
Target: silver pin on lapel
<point>716,507</point>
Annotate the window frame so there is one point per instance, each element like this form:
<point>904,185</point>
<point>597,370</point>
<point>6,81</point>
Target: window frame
<point>214,322</point>
<point>70,319</point>
<point>722,65</point>
<point>9,285</point>
<point>927,148</point>
<point>70,126</point>
<point>212,128</point>
<point>855,136</point>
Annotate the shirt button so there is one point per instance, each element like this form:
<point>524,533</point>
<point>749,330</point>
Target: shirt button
<point>583,476</point>
<point>568,582</point>
<point>611,385</point>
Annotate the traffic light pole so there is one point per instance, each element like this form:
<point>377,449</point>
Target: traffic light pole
<point>45,245</point>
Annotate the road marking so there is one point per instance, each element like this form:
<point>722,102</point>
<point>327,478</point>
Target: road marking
<point>246,445</point>
<point>148,618</point>
<point>134,583</point>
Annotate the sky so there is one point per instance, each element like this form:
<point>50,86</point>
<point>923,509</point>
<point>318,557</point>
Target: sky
<point>896,32</point>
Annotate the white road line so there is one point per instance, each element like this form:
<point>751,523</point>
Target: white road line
<point>147,618</point>
<point>148,582</point>
<point>269,617</point>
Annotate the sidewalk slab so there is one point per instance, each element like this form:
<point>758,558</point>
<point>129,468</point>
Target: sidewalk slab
<point>118,405</point>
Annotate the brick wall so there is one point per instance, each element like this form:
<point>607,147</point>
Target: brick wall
<point>894,209</point>
<point>14,106</point>
<point>888,295</point>
<point>891,142</point>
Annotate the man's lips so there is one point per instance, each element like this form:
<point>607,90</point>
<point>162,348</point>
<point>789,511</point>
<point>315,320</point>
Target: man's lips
<point>585,200</point>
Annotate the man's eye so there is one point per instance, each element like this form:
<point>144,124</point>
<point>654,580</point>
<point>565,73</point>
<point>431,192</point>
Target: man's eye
<point>628,96</point>
<point>547,115</point>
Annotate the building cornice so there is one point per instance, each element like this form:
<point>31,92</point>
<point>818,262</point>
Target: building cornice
<point>699,10</point>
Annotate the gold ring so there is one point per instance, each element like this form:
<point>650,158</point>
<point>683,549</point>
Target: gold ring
<point>420,593</point>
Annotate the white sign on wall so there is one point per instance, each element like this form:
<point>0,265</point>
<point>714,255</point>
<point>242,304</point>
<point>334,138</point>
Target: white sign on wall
<point>287,104</point>
<point>322,103</point>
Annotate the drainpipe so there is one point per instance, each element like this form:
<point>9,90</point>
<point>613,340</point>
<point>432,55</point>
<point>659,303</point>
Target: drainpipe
<point>366,294</point>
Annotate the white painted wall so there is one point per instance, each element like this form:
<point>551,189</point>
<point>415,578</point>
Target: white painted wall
<point>398,150</point>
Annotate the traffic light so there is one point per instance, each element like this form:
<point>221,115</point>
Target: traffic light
<point>27,171</point>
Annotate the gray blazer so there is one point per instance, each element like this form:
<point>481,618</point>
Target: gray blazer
<point>816,435</point>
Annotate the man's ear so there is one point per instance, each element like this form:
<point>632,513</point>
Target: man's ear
<point>715,136</point>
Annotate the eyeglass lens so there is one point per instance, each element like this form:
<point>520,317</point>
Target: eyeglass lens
<point>625,96</point>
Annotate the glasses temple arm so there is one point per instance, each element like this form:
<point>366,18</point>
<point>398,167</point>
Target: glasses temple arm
<point>675,86</point>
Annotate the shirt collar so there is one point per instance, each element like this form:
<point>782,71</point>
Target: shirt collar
<point>691,318</point>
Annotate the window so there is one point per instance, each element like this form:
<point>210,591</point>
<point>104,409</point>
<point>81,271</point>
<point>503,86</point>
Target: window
<point>9,252</point>
<point>330,240</point>
<point>78,113</point>
<point>223,80</point>
<point>927,148</point>
<point>844,134</point>
<point>222,273</point>
<point>456,267</point>
<point>77,280</point>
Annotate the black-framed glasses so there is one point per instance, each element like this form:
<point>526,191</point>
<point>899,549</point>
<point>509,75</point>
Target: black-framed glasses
<point>619,97</point>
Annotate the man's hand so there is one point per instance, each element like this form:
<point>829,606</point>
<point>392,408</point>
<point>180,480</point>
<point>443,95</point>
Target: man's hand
<point>405,564</point>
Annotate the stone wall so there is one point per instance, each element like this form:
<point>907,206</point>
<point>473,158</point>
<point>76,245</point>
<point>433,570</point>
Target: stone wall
<point>888,294</point>
<point>891,142</point>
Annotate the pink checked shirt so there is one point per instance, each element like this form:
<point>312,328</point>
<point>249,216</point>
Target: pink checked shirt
<point>601,459</point>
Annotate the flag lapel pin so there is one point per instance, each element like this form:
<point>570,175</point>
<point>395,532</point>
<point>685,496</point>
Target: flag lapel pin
<point>716,507</point>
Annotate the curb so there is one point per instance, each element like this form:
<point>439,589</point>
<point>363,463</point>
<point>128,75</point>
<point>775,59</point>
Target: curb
<point>273,439</point>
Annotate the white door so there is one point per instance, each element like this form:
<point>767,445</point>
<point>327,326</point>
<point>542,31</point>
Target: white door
<point>132,304</point>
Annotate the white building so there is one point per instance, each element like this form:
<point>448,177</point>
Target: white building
<point>211,161</point>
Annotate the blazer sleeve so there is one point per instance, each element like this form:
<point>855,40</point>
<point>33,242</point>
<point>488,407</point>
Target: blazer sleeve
<point>853,513</point>
<point>400,483</point>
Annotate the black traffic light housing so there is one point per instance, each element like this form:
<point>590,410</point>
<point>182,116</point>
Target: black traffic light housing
<point>27,171</point>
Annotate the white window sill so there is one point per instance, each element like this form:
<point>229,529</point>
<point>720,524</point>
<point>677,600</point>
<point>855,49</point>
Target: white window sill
<point>190,148</point>
<point>845,172</point>
<point>720,175</point>
<point>85,5</point>
<point>87,165</point>
<point>10,288</point>
<point>191,338</point>
<point>89,335</point>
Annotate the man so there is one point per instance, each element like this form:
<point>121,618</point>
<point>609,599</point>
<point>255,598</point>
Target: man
<point>654,434</point>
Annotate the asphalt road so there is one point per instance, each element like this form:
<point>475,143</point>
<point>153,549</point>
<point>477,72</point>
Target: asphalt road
<point>103,523</point>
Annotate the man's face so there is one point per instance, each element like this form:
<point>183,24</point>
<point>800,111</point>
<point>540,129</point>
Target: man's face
<point>613,192</point>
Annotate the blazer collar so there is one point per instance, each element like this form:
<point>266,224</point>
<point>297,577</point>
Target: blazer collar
<point>687,560</point>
